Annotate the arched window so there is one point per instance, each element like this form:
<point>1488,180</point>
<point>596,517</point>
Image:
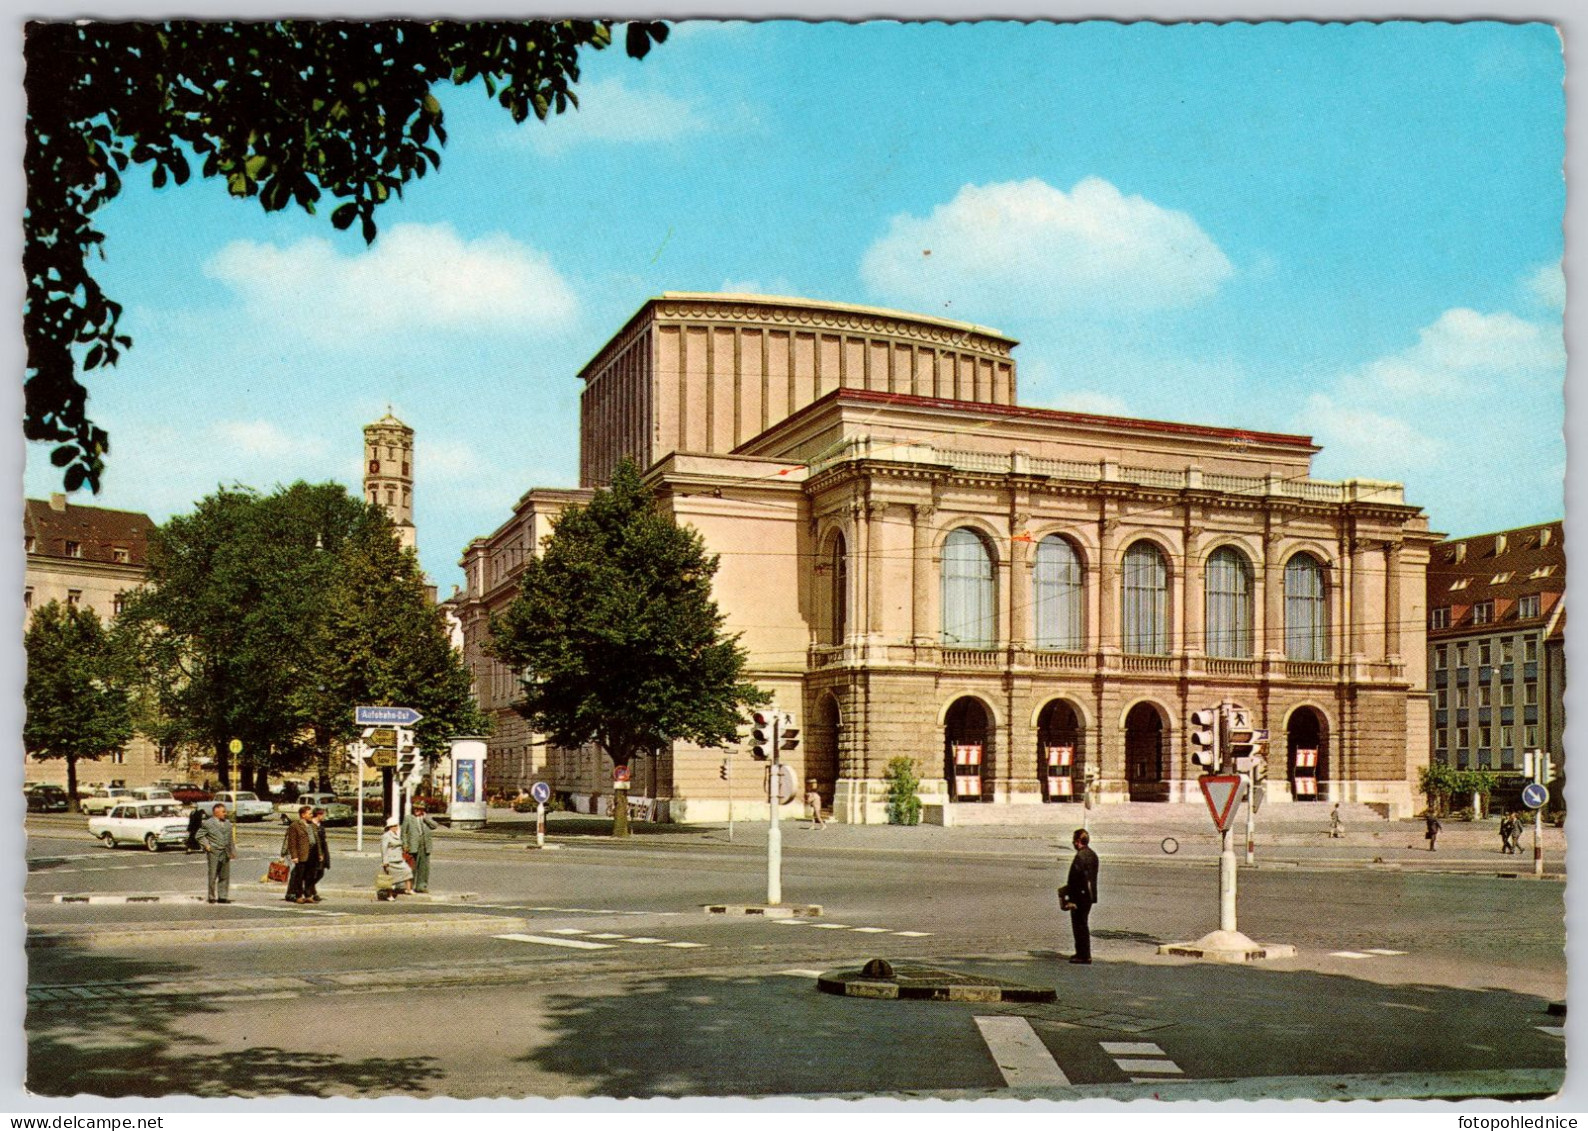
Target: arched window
<point>1059,612</point>
<point>970,618</point>
<point>838,596</point>
<point>1144,584</point>
<point>1229,604</point>
<point>1306,610</point>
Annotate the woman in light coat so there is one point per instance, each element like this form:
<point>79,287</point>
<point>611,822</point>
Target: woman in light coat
<point>391,858</point>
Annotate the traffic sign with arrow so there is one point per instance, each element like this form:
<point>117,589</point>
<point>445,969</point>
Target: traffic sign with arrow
<point>1221,792</point>
<point>1534,796</point>
<point>385,716</point>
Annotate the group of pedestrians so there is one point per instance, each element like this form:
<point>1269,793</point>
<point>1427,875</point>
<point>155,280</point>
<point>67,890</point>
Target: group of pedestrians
<point>309,852</point>
<point>1511,833</point>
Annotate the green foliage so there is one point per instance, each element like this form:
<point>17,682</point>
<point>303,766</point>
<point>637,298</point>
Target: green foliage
<point>75,707</point>
<point>904,807</point>
<point>284,111</point>
<point>1437,781</point>
<point>617,636</point>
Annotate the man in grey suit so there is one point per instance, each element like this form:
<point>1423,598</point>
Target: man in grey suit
<point>217,837</point>
<point>418,836</point>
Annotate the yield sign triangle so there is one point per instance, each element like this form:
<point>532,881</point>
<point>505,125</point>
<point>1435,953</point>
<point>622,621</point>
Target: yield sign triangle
<point>1221,790</point>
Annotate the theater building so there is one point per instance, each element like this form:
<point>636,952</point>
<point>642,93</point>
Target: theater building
<point>1009,596</point>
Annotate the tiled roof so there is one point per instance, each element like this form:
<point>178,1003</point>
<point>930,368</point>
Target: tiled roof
<point>1501,568</point>
<point>98,532</point>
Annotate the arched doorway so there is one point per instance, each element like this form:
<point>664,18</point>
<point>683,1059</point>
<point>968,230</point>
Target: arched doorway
<point>1307,742</point>
<point>968,750</point>
<point>1061,753</point>
<point>1144,754</point>
<point>821,747</point>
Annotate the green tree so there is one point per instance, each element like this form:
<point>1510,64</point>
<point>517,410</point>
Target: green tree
<point>383,641</point>
<point>1437,781</point>
<point>617,636</point>
<point>285,111</point>
<point>904,803</point>
<point>75,710</point>
<point>231,616</point>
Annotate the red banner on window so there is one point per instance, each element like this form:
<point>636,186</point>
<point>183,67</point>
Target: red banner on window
<point>1061,787</point>
<point>1306,759</point>
<point>967,786</point>
<point>1061,756</point>
<point>968,755</point>
<point>1306,787</point>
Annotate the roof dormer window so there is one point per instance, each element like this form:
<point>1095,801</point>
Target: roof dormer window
<point>1460,583</point>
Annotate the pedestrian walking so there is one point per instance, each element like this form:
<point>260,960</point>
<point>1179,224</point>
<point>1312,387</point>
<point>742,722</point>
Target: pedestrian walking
<point>1079,894</point>
<point>301,847</point>
<point>418,838</point>
<point>322,860</point>
<point>1432,833</point>
<point>1516,832</point>
<point>217,836</point>
<point>1336,825</point>
<point>194,820</point>
<point>813,803</point>
<point>391,857</point>
<point>1505,834</point>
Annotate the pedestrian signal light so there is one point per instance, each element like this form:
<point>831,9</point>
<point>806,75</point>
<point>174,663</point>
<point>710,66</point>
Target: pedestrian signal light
<point>788,734</point>
<point>1547,768</point>
<point>1205,738</point>
<point>762,730</point>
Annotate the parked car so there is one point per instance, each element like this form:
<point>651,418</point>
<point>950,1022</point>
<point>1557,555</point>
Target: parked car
<point>336,812</point>
<point>46,799</point>
<point>153,793</point>
<point>104,799</point>
<point>149,823</point>
<point>243,804</point>
<point>189,794</point>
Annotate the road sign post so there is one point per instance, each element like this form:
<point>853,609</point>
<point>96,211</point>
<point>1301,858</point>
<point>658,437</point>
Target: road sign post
<point>1222,791</point>
<point>541,792</point>
<point>774,835</point>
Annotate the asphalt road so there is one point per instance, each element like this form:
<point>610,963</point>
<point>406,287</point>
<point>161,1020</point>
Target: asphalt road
<point>623,985</point>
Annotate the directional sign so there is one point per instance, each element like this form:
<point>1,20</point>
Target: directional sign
<point>235,746</point>
<point>385,716</point>
<point>1534,796</point>
<point>541,792</point>
<point>381,737</point>
<point>1221,791</point>
<point>383,757</point>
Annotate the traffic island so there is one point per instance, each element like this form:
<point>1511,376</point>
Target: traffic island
<point>766,911</point>
<point>1228,946</point>
<point>882,980</point>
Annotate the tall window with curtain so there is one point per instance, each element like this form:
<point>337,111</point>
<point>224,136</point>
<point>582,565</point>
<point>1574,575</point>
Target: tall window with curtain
<point>970,618</point>
<point>1306,610</point>
<point>1060,624</point>
<point>1229,604</point>
<point>838,563</point>
<point>1144,608</point>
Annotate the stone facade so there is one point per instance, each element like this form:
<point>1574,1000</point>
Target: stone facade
<point>389,473</point>
<point>888,557</point>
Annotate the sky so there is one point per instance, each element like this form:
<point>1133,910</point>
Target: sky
<point>1352,232</point>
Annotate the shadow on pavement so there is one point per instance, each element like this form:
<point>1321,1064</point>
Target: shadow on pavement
<point>522,826</point>
<point>771,1035</point>
<point>139,1047</point>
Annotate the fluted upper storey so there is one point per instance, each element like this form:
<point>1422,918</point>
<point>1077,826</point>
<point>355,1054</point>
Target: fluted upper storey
<point>709,372</point>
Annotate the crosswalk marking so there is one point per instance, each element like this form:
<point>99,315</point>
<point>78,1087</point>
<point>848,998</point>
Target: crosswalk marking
<point>643,939</point>
<point>871,930</point>
<point>1164,1067</point>
<point>1346,954</point>
<point>1379,950</point>
<point>566,931</point>
<point>546,940</point>
<point>913,934</point>
<point>1552,1030</point>
<point>1131,1048</point>
<point>802,973</point>
<point>608,935</point>
<point>790,922</point>
<point>1019,1053</point>
<point>681,945</point>
<point>832,926</point>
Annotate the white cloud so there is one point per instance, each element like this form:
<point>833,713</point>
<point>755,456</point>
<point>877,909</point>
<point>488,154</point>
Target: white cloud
<point>415,277</point>
<point>610,110</point>
<point>1027,246</point>
<point>1462,352</point>
<point>1377,444</point>
<point>1099,404</point>
<point>262,438</point>
<point>777,286</point>
<point>450,460</point>
<point>1548,286</point>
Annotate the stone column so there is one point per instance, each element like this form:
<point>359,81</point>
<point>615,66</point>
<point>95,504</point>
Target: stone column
<point>1392,602</point>
<point>1271,625</point>
<point>876,543</point>
<point>1193,613</point>
<point>921,628</point>
<point>1108,625</point>
<point>859,574</point>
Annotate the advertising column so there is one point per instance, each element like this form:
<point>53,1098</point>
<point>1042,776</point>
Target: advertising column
<point>467,809</point>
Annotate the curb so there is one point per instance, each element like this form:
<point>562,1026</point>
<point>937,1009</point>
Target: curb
<point>922,983</point>
<point>295,930</point>
<point>778,912</point>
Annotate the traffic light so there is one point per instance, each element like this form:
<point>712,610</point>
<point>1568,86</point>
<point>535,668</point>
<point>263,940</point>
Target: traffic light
<point>1546,772</point>
<point>788,734</point>
<point>1527,765</point>
<point>407,755</point>
<point>1205,738</point>
<point>761,731</point>
<point>722,770</point>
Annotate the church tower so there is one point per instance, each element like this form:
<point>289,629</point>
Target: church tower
<point>389,473</point>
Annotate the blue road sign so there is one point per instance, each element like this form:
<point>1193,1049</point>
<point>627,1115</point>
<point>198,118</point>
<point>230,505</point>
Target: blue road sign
<point>385,716</point>
<point>1534,796</point>
<point>541,792</point>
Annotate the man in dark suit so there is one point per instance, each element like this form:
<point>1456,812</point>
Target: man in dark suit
<point>1081,892</point>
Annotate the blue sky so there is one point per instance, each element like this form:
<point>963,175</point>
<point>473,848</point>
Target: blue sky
<point>1348,231</point>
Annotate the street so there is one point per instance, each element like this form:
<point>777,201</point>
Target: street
<point>592,970</point>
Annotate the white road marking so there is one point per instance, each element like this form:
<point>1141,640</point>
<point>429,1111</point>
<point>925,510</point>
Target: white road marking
<point>1019,1053</point>
<point>683,945</point>
<point>1163,1067</point>
<point>831,926</point>
<point>604,935</point>
<point>577,944</point>
<point>1346,954</point>
<point>871,930</point>
<point>1131,1048</point>
<point>567,931</point>
<point>913,934</point>
<point>644,939</point>
<point>1377,950</point>
<point>791,922</point>
<point>1552,1030</point>
<point>803,973</point>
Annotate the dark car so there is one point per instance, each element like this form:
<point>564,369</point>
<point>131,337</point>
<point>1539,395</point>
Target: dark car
<point>46,799</point>
<point>189,794</point>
